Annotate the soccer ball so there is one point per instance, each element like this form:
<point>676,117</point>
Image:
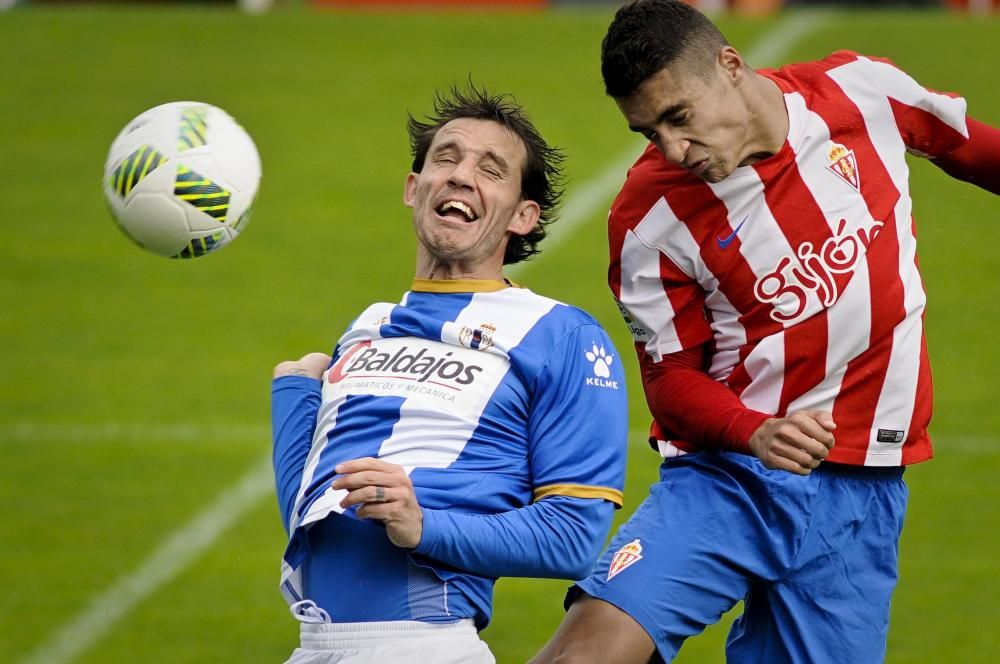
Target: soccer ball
<point>181,179</point>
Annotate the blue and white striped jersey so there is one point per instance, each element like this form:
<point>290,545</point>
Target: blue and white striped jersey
<point>492,398</point>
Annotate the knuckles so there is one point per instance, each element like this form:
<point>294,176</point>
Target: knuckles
<point>311,364</point>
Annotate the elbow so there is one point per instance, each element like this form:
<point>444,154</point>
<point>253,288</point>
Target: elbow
<point>583,562</point>
<point>578,556</point>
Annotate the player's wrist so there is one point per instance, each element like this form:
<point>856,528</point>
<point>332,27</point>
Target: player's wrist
<point>743,428</point>
<point>296,381</point>
<point>430,527</point>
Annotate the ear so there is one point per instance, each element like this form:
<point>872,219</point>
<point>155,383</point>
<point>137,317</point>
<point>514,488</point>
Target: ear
<point>525,218</point>
<point>410,190</point>
<point>732,64</point>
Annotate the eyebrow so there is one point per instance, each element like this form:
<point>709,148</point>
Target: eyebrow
<point>500,161</point>
<point>667,115</point>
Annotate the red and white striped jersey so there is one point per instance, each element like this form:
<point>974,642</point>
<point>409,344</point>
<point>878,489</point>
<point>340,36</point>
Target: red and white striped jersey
<point>800,270</point>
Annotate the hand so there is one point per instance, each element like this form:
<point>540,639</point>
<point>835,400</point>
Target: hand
<point>312,365</point>
<point>398,508</point>
<point>798,442</point>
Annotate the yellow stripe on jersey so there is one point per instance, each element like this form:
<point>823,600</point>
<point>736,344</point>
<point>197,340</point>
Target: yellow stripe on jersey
<point>459,285</point>
<point>579,491</point>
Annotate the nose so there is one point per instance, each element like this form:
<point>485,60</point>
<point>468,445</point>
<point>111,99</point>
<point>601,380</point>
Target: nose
<point>673,147</point>
<point>461,175</point>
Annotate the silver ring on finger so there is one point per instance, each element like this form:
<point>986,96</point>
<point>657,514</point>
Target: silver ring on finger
<point>379,495</point>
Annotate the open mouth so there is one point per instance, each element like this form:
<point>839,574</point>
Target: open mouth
<point>457,210</point>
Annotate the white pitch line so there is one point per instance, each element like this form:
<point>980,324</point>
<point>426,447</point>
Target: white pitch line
<point>185,545</point>
<point>130,431</point>
<point>772,47</point>
<point>174,555</point>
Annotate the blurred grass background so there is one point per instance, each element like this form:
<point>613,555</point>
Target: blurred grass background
<point>135,389</point>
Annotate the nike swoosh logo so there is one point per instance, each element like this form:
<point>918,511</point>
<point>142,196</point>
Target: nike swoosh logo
<point>726,241</point>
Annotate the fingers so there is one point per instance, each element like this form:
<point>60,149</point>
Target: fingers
<point>817,424</point>
<point>315,363</point>
<point>382,491</point>
<point>369,496</point>
<point>367,463</point>
<point>823,418</point>
<point>792,459</point>
<point>312,365</point>
<point>797,443</point>
<point>371,482</point>
<point>803,430</point>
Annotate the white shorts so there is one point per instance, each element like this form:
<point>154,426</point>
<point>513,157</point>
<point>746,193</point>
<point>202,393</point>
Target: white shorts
<point>397,642</point>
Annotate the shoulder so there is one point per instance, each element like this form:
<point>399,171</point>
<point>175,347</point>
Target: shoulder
<point>557,309</point>
<point>798,71</point>
<point>644,185</point>
<point>555,321</point>
<point>373,316</point>
<point>810,78</point>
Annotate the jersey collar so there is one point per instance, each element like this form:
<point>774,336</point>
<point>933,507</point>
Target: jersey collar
<point>460,285</point>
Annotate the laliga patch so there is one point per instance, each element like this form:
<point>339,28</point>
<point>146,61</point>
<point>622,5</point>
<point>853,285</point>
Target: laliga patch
<point>624,558</point>
<point>639,333</point>
<point>842,163</point>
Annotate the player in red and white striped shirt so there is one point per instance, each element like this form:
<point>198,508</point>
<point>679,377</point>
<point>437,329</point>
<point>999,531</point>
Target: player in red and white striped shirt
<point>763,252</point>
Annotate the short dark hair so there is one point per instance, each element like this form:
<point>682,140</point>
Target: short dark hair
<point>541,177</point>
<point>648,35</point>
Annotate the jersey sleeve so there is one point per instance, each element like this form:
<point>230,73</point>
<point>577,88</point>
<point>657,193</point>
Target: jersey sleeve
<point>663,307</point>
<point>295,401</point>
<point>978,160</point>
<point>931,123</point>
<point>556,538</point>
<point>577,425</point>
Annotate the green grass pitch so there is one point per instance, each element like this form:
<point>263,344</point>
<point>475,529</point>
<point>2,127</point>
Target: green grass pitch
<point>135,389</point>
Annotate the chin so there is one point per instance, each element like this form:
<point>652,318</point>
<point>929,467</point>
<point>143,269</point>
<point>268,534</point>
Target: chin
<point>716,174</point>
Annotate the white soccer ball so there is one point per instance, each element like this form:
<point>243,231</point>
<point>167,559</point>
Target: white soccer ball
<point>181,179</point>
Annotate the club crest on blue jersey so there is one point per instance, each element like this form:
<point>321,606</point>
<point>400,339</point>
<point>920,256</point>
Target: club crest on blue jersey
<point>478,338</point>
<point>624,558</point>
<point>601,362</point>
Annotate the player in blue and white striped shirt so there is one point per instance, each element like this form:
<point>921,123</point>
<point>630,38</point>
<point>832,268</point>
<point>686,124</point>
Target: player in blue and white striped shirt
<point>474,430</point>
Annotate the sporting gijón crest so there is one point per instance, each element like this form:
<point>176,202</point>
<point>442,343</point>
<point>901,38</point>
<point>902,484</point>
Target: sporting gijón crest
<point>625,557</point>
<point>842,162</point>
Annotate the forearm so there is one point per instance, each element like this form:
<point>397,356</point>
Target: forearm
<point>692,406</point>
<point>557,537</point>
<point>295,401</point>
<point>978,161</point>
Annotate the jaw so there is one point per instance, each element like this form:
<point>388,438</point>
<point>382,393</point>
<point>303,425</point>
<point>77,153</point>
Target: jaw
<point>449,249</point>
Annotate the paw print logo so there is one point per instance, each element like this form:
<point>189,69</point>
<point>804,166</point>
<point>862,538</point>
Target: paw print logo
<point>601,361</point>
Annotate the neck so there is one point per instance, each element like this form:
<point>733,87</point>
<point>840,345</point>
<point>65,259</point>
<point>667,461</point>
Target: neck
<point>432,268</point>
<point>768,128</point>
